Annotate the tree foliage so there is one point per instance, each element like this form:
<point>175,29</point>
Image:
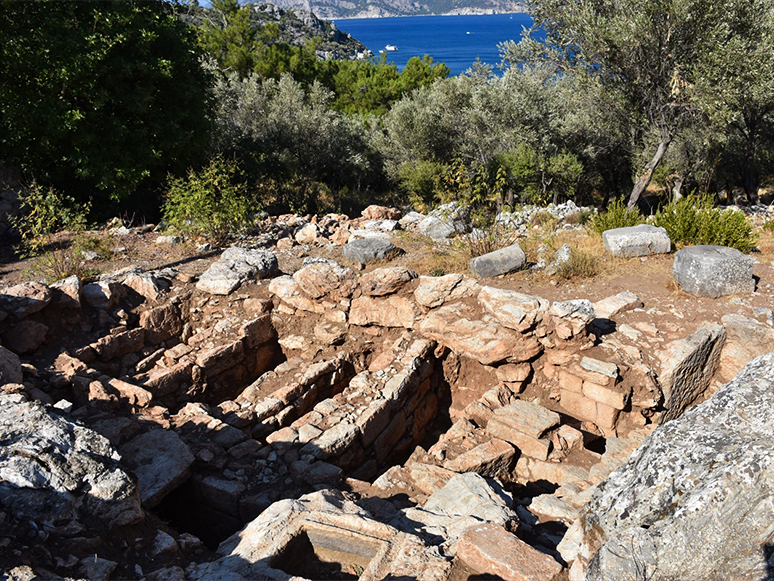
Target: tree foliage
<point>104,94</point>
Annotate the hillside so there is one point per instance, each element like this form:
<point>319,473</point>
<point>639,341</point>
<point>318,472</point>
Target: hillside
<point>296,25</point>
<point>378,8</point>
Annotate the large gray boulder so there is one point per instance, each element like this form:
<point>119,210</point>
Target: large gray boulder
<point>235,266</point>
<point>696,500</point>
<point>640,240</point>
<point>53,470</point>
<point>446,221</point>
<point>365,250</point>
<point>498,262</point>
<point>713,271</point>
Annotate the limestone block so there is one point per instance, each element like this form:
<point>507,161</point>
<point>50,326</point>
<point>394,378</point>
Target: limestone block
<point>687,366</point>
<point>25,336</point>
<point>493,458</point>
<point>103,294</point>
<point>640,240</point>
<point>376,212</point>
<point>384,444</point>
<point>368,250</point>
<point>570,381</point>
<point>328,278</point>
<point>746,339</point>
<point>287,289</point>
<point>120,344</point>
<point>611,306</point>
<point>10,367</point>
<point>235,266</point>
<point>578,406</point>
<point>161,461</point>
<point>713,271</point>
<point>216,360</point>
<point>386,281</point>
<point>24,299</point>
<point>392,311</point>
<point>161,323</point>
<point>489,548</point>
<point>604,367</point>
<point>616,397</point>
<point>512,309</point>
<point>500,261</point>
<point>67,292</point>
<point>434,291</point>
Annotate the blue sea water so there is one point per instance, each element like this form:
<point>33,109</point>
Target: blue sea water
<point>453,40</point>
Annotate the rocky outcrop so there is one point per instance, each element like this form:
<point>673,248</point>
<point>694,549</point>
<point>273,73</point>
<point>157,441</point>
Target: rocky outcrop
<point>694,501</point>
<point>56,472</point>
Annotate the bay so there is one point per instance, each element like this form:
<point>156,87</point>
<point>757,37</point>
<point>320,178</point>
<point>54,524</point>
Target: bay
<point>453,40</point>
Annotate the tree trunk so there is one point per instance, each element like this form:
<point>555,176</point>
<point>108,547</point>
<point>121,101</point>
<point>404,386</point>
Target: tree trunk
<point>750,175</point>
<point>644,180</point>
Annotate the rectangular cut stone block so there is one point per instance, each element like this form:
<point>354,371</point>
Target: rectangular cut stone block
<point>606,416</point>
<point>640,240</point>
<point>529,446</point>
<point>489,548</point>
<point>610,396</point>
<point>597,366</point>
<point>493,458</point>
<point>612,306</point>
<point>532,470</point>
<point>528,418</point>
<point>373,421</point>
<point>579,406</point>
<point>387,440</point>
<point>713,271</point>
<point>570,382</point>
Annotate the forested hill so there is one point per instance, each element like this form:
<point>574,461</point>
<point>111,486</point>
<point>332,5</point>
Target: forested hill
<point>373,8</point>
<point>294,25</point>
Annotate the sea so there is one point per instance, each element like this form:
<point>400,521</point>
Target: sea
<point>453,40</point>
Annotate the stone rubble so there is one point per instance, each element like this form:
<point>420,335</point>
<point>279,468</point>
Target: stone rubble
<point>407,424</point>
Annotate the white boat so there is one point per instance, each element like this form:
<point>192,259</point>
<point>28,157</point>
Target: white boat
<point>390,47</point>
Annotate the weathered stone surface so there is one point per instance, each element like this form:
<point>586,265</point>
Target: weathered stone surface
<point>368,250</point>
<point>24,299</point>
<point>604,367</point>
<point>493,458</point>
<point>485,342</point>
<point>333,441</point>
<point>10,367</point>
<point>218,359</point>
<point>164,381</point>
<point>571,318</point>
<point>307,234</point>
<point>713,271</point>
<point>235,266</point>
<point>287,289</point>
<point>161,323</point>
<point>375,212</point>
<point>611,306</point>
<point>161,461</point>
<point>694,501</point>
<point>25,336</point>
<point>746,339</point>
<point>328,278</point>
<point>640,240</point>
<point>67,292</point>
<point>524,424</point>
<point>120,344</point>
<point>498,262</point>
<point>146,284</point>
<point>392,311</point>
<point>324,517</point>
<point>386,281</point>
<point>52,469</point>
<point>433,291</point>
<point>687,366</point>
<point>512,309</point>
<point>103,294</point>
<point>446,221</point>
<point>489,548</point>
<point>468,499</point>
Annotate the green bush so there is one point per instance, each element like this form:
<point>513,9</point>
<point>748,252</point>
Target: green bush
<point>696,220</point>
<point>616,215</point>
<point>42,214</point>
<point>213,202</point>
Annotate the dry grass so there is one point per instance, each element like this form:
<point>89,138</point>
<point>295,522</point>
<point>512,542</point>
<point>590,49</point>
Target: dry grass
<point>431,259</point>
<point>582,264</point>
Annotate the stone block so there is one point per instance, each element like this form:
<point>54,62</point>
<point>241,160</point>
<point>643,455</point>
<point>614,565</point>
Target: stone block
<point>373,421</point>
<point>528,418</point>
<point>498,262</point>
<point>494,459</point>
<point>570,381</point>
<point>597,366</point>
<point>578,406</point>
<point>368,250</point>
<point>384,444</point>
<point>611,306</point>
<point>607,416</point>
<point>489,548</point>
<point>713,271</point>
<point>612,396</point>
<point>640,240</point>
<point>538,448</point>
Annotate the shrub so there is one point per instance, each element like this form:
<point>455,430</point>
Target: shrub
<point>43,213</point>
<point>581,264</point>
<point>696,220</point>
<point>212,202</point>
<point>486,240</point>
<point>616,215</point>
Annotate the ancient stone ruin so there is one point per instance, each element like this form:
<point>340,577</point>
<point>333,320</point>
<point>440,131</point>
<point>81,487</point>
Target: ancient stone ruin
<point>327,424</point>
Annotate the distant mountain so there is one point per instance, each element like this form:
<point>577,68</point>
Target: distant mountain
<point>331,9</point>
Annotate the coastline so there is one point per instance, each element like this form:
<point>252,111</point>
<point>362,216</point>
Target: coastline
<point>473,12</point>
